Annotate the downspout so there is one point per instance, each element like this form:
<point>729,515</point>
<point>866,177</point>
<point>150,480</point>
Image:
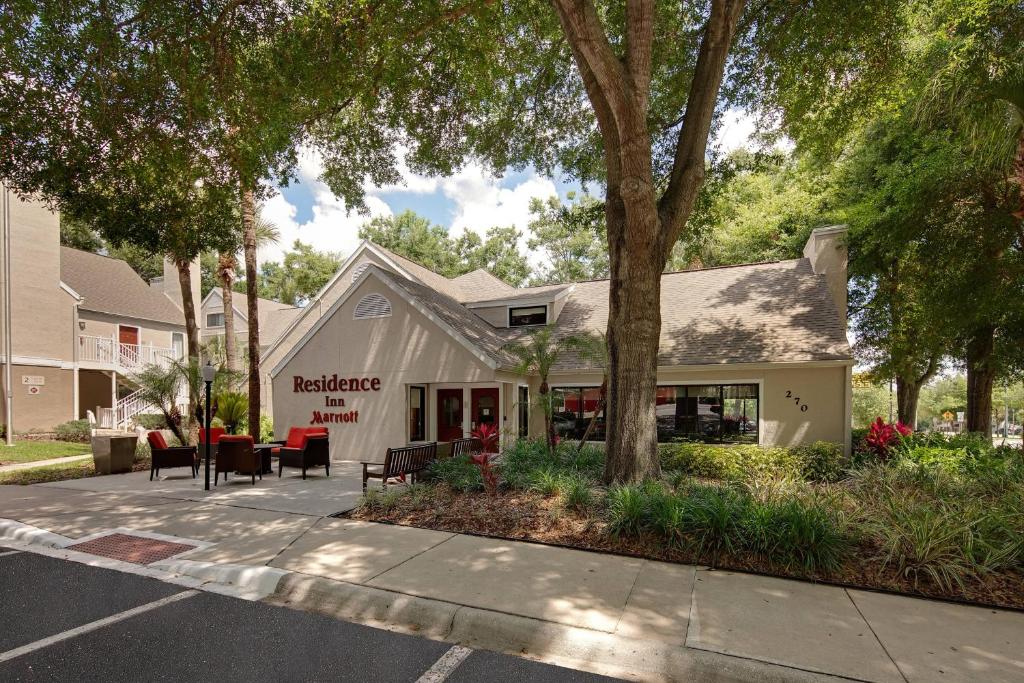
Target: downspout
<point>8,326</point>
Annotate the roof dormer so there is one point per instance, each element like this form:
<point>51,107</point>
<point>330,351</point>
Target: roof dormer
<point>531,307</point>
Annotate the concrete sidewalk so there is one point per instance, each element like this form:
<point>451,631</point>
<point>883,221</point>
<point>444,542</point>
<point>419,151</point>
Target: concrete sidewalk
<point>614,615</point>
<point>66,460</point>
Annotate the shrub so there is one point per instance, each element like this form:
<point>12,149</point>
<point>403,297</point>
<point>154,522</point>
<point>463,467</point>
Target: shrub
<point>547,481</point>
<point>459,473</point>
<point>730,463</point>
<point>577,494</point>
<point>821,461</point>
<point>232,409</point>
<point>883,437</point>
<point>627,509</point>
<point>713,515</point>
<point>77,431</point>
<point>266,428</point>
<point>151,421</point>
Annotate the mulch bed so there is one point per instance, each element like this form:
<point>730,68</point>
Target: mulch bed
<point>530,516</point>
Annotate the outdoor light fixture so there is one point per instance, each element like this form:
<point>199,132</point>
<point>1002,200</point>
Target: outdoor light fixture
<point>209,372</point>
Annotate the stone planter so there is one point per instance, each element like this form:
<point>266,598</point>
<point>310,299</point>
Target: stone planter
<point>113,454</point>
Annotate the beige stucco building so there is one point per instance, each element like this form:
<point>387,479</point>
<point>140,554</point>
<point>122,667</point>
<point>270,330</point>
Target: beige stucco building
<point>81,325</point>
<point>274,318</point>
<point>391,353</point>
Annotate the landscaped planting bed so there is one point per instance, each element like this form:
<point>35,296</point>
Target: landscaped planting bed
<point>928,517</point>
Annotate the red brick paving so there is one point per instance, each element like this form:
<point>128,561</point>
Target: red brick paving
<point>135,549</point>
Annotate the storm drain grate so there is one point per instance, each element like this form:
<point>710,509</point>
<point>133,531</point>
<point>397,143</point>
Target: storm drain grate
<point>340,515</point>
<point>134,549</point>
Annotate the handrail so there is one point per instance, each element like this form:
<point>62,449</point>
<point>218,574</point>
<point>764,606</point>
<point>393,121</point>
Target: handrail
<point>130,357</point>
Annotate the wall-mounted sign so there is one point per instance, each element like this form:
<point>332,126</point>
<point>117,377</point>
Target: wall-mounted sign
<point>329,385</point>
<point>334,418</point>
<point>33,380</point>
<point>34,390</point>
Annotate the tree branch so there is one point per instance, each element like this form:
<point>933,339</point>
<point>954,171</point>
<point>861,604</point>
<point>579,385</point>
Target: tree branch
<point>687,174</point>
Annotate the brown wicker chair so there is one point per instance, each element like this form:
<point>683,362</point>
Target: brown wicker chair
<point>315,452</point>
<point>235,454</point>
<point>165,457</point>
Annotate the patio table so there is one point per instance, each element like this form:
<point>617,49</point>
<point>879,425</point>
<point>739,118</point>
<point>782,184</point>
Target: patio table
<point>265,449</point>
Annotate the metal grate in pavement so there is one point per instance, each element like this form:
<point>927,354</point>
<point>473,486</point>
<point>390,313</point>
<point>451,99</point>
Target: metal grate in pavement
<point>134,549</point>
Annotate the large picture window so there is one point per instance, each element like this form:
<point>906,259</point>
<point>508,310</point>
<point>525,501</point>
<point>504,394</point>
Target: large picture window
<point>417,414</point>
<point>712,413</point>
<point>527,315</point>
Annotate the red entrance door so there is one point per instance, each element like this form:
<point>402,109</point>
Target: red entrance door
<point>128,344</point>
<point>449,414</point>
<point>484,409</point>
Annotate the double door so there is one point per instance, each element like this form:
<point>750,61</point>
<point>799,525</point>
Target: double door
<point>451,417</point>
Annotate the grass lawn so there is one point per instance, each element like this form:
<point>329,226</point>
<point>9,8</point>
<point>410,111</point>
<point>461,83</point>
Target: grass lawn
<point>936,518</point>
<point>60,472</point>
<point>30,451</point>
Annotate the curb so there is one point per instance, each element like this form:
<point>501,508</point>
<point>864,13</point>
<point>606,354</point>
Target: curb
<point>248,582</point>
<point>578,648</point>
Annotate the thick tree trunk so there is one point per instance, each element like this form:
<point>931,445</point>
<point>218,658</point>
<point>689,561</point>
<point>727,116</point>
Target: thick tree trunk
<point>226,269</point>
<point>188,305</point>
<point>908,392</point>
<point>634,328</point>
<point>248,201</point>
<point>981,376</point>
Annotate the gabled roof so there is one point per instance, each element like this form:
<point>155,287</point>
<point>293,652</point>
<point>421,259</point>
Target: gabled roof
<point>263,305</point>
<point>465,328</point>
<point>481,283</point>
<point>274,323</point>
<point>761,313</point>
<point>109,285</point>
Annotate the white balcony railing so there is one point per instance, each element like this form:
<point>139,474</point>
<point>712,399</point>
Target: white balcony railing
<point>126,357</point>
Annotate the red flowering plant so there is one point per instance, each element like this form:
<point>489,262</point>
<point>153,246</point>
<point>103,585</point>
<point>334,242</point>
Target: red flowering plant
<point>883,436</point>
<point>487,435</point>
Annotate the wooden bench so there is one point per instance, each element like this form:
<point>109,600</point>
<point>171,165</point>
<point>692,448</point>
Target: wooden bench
<point>400,462</point>
<point>462,447</point>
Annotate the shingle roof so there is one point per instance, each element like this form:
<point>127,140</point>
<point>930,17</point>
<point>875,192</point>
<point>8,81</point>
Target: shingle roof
<point>109,285</point>
<point>760,313</point>
<point>523,293</point>
<point>487,339</point>
<point>480,284</point>
<point>274,322</point>
<point>424,274</point>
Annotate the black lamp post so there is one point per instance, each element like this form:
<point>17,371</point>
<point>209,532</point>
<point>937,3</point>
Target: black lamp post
<point>209,372</point>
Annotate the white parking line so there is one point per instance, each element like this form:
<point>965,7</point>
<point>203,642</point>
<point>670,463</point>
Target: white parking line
<point>93,625</point>
<point>444,667</point>
<point>10,552</point>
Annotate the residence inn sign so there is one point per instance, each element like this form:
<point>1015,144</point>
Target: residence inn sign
<point>334,385</point>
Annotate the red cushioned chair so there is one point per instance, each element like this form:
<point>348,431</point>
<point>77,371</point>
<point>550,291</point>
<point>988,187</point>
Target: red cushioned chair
<point>314,451</point>
<point>235,454</point>
<point>215,434</point>
<point>165,457</point>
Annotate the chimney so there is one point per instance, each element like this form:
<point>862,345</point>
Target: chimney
<point>826,250</point>
<point>172,288</point>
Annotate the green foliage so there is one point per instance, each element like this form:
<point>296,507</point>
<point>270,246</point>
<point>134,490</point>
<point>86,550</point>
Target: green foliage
<point>266,428</point>
<point>413,237</point>
<point>151,421</point>
<point>459,473</point>
<point>527,464</point>
<point>381,500</point>
<point>821,461</point>
<point>578,493</point>
<point>303,272</point>
<point>77,431</point>
<point>572,235</point>
<point>232,409</point>
<point>627,509</point>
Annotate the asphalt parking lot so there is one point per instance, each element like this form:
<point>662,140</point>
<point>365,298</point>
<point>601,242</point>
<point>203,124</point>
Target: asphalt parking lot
<point>65,621</point>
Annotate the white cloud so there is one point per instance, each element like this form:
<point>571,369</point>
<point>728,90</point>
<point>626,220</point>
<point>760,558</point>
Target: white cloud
<point>736,131</point>
<point>331,228</point>
<point>479,202</point>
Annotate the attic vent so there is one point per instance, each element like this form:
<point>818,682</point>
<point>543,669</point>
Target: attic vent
<point>360,269</point>
<point>372,306</point>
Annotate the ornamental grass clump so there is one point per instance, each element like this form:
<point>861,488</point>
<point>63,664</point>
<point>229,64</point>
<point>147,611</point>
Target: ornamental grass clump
<point>458,473</point>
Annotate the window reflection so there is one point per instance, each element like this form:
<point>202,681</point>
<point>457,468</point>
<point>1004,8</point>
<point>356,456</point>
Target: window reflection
<point>714,413</point>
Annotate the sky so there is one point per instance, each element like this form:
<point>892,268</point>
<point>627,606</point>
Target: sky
<point>472,199</point>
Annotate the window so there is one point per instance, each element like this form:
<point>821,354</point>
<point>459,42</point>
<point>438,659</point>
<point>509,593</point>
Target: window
<point>215,320</point>
<point>373,306</point>
<point>574,409</point>
<point>523,407</point>
<point>178,344</point>
<point>713,413</point>
<point>417,414</point>
<point>527,315</point>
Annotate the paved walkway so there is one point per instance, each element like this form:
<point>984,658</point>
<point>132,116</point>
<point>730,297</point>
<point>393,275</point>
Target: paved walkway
<point>68,459</point>
<point>613,615</point>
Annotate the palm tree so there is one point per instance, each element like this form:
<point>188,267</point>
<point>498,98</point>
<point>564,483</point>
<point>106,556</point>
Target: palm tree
<point>227,269</point>
<point>594,349</point>
<point>539,354</point>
